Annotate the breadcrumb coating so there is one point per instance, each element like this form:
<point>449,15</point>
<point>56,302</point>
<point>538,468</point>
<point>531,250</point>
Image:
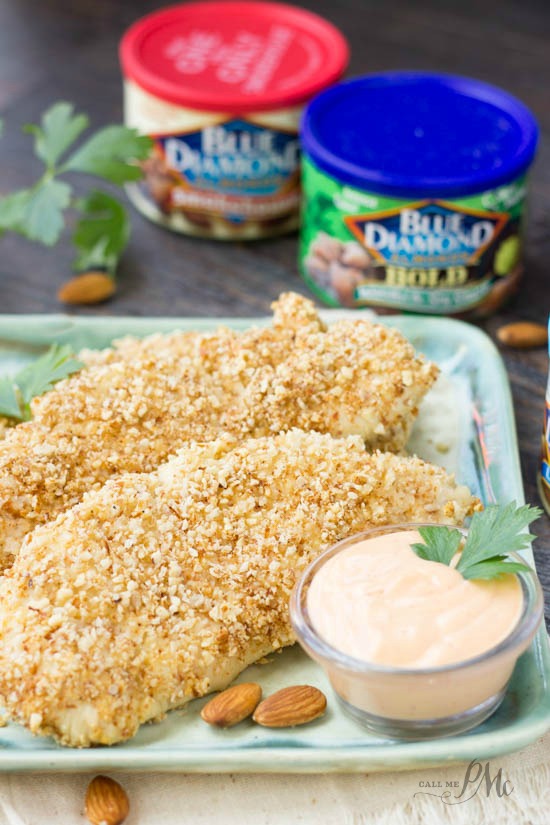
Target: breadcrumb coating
<point>162,587</point>
<point>135,404</point>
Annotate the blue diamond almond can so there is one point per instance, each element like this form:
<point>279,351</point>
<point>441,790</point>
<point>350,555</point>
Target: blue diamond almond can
<point>414,191</point>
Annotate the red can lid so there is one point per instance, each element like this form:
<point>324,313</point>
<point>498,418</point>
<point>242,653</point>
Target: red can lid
<point>233,56</point>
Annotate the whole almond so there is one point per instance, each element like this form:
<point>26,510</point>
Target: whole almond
<point>291,706</point>
<point>106,802</point>
<point>523,335</point>
<point>232,705</point>
<point>89,288</point>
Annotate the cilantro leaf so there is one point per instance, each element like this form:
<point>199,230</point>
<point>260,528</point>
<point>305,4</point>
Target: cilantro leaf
<point>493,534</point>
<point>35,379</point>
<point>441,545</point>
<point>59,128</point>
<point>102,233</point>
<point>111,154</point>
<point>9,402</point>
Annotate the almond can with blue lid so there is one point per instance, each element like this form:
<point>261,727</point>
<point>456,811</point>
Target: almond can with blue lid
<point>414,190</point>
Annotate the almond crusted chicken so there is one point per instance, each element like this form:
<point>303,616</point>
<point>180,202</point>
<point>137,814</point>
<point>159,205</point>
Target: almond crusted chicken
<point>135,404</point>
<point>162,587</point>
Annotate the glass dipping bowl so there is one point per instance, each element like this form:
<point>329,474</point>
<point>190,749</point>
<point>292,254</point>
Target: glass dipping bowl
<point>418,703</point>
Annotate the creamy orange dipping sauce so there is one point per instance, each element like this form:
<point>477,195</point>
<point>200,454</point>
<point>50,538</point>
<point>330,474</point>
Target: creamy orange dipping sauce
<point>377,601</point>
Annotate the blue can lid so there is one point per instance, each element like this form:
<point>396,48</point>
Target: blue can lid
<point>421,135</point>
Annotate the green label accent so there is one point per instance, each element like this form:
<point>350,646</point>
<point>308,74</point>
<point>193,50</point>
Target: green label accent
<point>424,255</point>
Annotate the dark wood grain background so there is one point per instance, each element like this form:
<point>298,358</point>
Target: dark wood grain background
<point>67,49</point>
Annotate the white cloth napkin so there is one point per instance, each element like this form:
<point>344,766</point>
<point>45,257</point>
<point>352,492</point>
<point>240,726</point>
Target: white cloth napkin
<point>321,799</point>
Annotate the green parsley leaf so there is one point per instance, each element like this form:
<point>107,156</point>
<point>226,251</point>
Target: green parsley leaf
<point>59,129</point>
<point>493,567</point>
<point>102,233</point>
<point>43,220</point>
<point>9,402</point>
<point>111,154</point>
<point>36,213</point>
<point>494,533</point>
<point>42,374</point>
<point>13,209</point>
<point>35,379</point>
<point>440,545</point>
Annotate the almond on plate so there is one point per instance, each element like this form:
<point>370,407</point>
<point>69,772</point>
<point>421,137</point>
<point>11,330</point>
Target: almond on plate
<point>232,705</point>
<point>291,706</point>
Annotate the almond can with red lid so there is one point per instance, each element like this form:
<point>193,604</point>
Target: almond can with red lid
<point>220,87</point>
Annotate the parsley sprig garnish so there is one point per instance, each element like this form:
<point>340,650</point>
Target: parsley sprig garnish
<point>40,211</point>
<point>35,379</point>
<point>494,533</point>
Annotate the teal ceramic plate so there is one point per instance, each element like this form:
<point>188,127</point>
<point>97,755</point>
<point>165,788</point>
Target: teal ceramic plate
<point>486,458</point>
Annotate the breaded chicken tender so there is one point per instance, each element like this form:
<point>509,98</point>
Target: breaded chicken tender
<point>162,587</point>
<point>134,405</point>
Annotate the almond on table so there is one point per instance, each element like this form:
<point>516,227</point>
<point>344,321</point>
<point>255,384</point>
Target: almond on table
<point>88,288</point>
<point>106,802</point>
<point>523,335</point>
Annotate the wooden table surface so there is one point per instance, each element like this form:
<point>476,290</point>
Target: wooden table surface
<point>67,49</point>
